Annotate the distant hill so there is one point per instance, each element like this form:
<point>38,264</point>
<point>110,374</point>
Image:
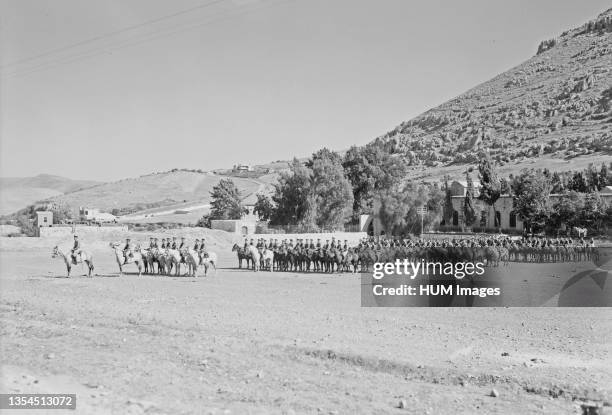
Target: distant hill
<point>175,189</point>
<point>555,108</point>
<point>18,192</point>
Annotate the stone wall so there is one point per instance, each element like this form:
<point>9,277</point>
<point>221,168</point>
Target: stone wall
<point>81,230</point>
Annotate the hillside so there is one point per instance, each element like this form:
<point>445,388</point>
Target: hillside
<point>176,190</point>
<point>18,192</point>
<point>554,109</point>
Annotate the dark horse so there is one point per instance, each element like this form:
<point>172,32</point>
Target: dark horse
<point>242,254</point>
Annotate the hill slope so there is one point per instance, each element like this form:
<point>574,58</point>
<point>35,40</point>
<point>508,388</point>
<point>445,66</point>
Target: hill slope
<point>556,106</point>
<point>180,187</point>
<point>18,192</point>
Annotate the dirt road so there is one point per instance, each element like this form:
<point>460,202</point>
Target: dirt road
<point>239,342</point>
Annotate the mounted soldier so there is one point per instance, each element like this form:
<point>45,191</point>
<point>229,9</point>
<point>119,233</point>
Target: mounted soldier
<point>127,250</point>
<point>76,249</point>
<point>173,245</point>
<point>196,245</point>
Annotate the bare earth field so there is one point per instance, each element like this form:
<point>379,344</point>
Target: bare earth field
<point>240,342</point>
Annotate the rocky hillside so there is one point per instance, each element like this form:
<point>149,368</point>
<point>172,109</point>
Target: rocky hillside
<point>555,106</point>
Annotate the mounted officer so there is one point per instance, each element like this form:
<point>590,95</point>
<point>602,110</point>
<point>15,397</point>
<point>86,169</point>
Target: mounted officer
<point>127,250</point>
<point>76,249</point>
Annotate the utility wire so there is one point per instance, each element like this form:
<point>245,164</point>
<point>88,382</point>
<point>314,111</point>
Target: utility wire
<point>135,41</point>
<point>113,33</point>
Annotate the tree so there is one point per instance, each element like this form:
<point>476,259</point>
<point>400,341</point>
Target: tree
<point>332,193</point>
<point>291,195</point>
<point>370,169</point>
<point>398,207</point>
<point>531,198</point>
<point>448,209</point>
<point>226,202</point>
<point>469,213</point>
<point>592,213</point>
<point>204,221</point>
<point>578,183</point>
<point>490,186</point>
<point>604,178</point>
<point>264,207</point>
<point>565,211</point>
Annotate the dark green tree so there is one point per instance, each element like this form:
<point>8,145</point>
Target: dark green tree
<point>369,170</point>
<point>291,195</point>
<point>264,207</point>
<point>490,185</point>
<point>448,210</point>
<point>469,213</point>
<point>332,193</point>
<point>226,201</point>
<point>531,191</point>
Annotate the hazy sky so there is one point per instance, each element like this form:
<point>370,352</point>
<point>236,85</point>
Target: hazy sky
<point>207,84</point>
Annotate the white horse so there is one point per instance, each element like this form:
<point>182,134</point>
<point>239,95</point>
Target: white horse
<point>267,259</point>
<point>82,257</point>
<point>173,259</point>
<point>255,257</point>
<point>208,259</point>
<point>581,232</point>
<point>192,260</point>
<point>136,258</point>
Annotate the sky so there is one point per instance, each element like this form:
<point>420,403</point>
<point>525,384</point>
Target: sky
<point>105,90</point>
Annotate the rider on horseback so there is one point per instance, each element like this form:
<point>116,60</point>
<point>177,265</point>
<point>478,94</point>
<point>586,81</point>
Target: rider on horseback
<point>76,249</point>
<point>127,250</point>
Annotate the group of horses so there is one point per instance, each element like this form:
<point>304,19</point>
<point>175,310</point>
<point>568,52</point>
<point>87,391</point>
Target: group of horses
<point>145,260</point>
<point>166,259</point>
<point>361,258</point>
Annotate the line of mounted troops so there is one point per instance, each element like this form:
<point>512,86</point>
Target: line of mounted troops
<point>481,241</point>
<point>261,243</point>
<point>166,243</point>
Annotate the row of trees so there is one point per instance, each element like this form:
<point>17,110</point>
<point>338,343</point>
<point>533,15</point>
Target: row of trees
<point>329,190</point>
<point>579,203</point>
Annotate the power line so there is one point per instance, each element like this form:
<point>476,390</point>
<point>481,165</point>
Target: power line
<point>155,35</point>
<point>109,34</point>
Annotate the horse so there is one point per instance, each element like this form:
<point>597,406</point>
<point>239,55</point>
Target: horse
<point>192,260</point>
<point>82,257</point>
<point>267,258</point>
<point>254,254</point>
<point>581,232</point>
<point>173,258</point>
<point>242,254</point>
<point>136,258</point>
<point>208,259</point>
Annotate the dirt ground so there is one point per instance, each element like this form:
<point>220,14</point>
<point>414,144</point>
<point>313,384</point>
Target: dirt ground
<point>255,343</point>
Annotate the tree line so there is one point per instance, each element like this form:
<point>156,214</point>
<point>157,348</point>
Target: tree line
<point>330,190</point>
